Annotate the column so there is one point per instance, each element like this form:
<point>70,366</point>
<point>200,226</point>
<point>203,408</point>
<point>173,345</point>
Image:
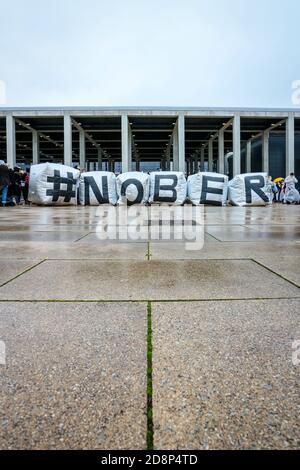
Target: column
<point>265,152</point>
<point>189,166</point>
<point>35,148</point>
<point>210,155</point>
<point>99,160</point>
<point>82,162</point>
<point>221,167</point>
<point>202,159</point>
<point>248,156</point>
<point>227,156</point>
<point>168,158</point>
<point>236,135</point>
<point>196,163</point>
<point>226,164</point>
<point>67,140</point>
<point>290,144</point>
<point>137,164</point>
<point>175,150</point>
<point>181,143</point>
<point>130,147</point>
<point>11,141</point>
<point>126,145</point>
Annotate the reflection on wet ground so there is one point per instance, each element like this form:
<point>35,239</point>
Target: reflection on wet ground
<point>73,317</point>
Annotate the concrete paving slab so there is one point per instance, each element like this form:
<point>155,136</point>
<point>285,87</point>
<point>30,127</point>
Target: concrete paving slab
<point>179,237</point>
<point>50,215</point>
<point>169,236</point>
<point>223,376</point>
<point>14,227</point>
<point>31,236</point>
<point>254,215</point>
<point>281,215</point>
<point>145,234</point>
<point>93,239</point>
<point>278,229</point>
<point>75,376</point>
<point>10,268</point>
<point>78,250</point>
<point>220,250</point>
<point>144,280</point>
<point>238,233</point>
<point>254,219</point>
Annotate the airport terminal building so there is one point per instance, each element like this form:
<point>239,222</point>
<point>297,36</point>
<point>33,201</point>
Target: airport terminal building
<point>229,141</point>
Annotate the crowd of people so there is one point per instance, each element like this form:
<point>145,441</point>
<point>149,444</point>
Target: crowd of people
<point>284,190</point>
<point>14,185</point>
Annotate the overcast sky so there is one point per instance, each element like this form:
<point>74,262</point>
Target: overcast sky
<point>149,53</point>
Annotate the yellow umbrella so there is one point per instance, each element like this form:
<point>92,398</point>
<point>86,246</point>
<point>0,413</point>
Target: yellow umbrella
<point>278,179</point>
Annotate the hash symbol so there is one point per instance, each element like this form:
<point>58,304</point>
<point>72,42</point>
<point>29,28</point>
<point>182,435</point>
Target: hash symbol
<point>57,181</point>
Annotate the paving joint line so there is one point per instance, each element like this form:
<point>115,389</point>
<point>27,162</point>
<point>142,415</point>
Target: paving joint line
<point>276,274</point>
<point>150,432</point>
<point>143,301</point>
<point>212,236</point>
<point>23,272</point>
<point>75,241</point>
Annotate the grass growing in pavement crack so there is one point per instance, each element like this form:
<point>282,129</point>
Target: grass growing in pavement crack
<point>148,255</point>
<point>149,380</point>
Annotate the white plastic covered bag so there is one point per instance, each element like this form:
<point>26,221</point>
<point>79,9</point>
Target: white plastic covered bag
<point>133,188</point>
<point>53,184</point>
<point>208,188</point>
<point>97,187</point>
<point>249,189</point>
<point>168,187</point>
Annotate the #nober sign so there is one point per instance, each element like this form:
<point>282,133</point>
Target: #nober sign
<point>249,189</point>
<point>53,184</point>
<point>208,188</point>
<point>133,188</point>
<point>97,187</point>
<point>168,186</point>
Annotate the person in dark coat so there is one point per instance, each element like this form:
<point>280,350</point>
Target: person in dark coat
<point>4,182</point>
<point>18,179</point>
<point>25,185</point>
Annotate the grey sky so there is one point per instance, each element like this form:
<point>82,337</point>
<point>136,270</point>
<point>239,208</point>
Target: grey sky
<point>179,53</point>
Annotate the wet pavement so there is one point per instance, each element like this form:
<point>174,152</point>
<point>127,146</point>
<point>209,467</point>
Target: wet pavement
<point>73,317</point>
